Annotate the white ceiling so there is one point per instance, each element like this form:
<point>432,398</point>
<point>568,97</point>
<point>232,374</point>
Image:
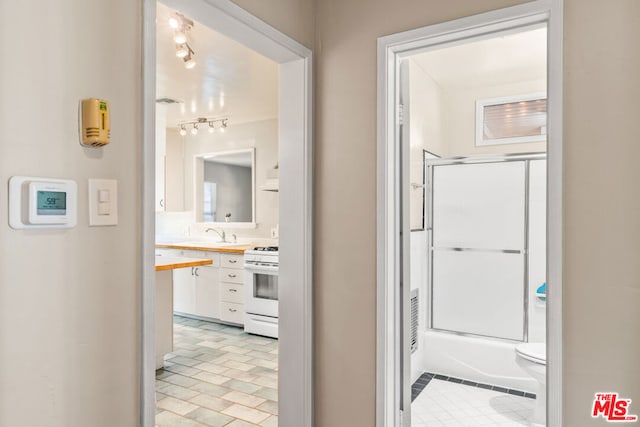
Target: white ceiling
<point>229,80</point>
<point>499,60</point>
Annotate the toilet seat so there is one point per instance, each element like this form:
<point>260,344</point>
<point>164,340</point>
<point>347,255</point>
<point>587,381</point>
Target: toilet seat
<point>534,352</point>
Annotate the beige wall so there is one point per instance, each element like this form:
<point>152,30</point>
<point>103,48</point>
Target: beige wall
<point>602,207</point>
<point>70,300</point>
<point>345,296</point>
<point>601,249</point>
<point>460,118</point>
<point>295,18</point>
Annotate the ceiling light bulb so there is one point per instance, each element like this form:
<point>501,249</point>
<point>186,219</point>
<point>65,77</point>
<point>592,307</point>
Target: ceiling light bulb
<point>182,51</point>
<point>180,37</point>
<point>189,63</point>
<point>173,22</point>
<point>194,130</point>
<point>211,128</point>
<point>183,131</point>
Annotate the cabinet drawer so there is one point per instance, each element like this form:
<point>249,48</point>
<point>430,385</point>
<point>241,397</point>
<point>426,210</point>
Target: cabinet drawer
<point>230,292</point>
<point>232,312</point>
<point>231,276</point>
<point>231,261</point>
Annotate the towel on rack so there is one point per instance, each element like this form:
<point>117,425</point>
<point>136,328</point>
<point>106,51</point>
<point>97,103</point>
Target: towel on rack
<point>541,292</point>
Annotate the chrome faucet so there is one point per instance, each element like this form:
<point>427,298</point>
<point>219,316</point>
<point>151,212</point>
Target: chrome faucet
<point>221,233</point>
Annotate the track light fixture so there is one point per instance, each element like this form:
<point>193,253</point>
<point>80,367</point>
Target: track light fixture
<point>212,123</point>
<point>181,26</point>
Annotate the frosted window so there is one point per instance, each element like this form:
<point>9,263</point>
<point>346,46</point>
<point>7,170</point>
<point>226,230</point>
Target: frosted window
<point>511,120</point>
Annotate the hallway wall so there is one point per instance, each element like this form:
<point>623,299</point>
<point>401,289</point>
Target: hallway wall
<point>70,299</point>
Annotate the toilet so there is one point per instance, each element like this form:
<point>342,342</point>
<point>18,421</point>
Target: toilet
<point>532,357</point>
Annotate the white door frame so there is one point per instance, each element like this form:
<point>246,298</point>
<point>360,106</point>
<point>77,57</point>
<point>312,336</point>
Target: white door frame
<point>390,228</point>
<point>295,384</point>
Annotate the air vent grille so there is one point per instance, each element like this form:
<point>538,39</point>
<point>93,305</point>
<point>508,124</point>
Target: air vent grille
<point>415,310</point>
<point>167,101</point>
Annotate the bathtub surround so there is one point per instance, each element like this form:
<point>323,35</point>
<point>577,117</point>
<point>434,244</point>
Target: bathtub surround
<point>488,247</point>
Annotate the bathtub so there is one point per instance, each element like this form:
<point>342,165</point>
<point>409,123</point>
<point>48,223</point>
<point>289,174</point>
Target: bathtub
<point>472,358</point>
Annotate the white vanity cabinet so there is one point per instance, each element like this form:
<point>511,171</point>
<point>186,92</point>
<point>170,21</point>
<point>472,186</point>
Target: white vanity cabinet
<point>196,290</point>
<point>231,288</point>
<point>184,291</point>
<point>207,292</point>
<point>213,291</point>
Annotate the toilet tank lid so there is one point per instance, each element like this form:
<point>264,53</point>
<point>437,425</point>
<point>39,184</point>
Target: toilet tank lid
<point>533,350</point>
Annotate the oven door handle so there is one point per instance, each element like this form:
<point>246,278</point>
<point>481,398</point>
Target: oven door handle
<point>252,268</point>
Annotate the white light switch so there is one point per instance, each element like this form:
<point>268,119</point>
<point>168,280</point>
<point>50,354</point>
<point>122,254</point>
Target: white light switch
<point>103,196</point>
<point>104,208</point>
<point>103,202</point>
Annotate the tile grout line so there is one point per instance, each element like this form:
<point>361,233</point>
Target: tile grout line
<point>423,380</point>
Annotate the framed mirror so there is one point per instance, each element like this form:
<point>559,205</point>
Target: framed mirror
<point>224,186</point>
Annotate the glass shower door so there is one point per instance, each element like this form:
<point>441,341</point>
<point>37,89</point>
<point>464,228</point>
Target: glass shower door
<point>478,249</point>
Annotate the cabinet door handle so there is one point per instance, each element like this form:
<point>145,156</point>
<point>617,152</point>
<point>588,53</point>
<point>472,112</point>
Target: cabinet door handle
<point>197,275</point>
<point>162,203</point>
<point>192,271</point>
<point>232,275</point>
<point>232,261</point>
<point>233,310</point>
<point>233,290</point>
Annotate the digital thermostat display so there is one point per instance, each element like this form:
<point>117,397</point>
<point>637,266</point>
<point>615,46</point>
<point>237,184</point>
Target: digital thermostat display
<point>51,203</point>
<point>41,202</point>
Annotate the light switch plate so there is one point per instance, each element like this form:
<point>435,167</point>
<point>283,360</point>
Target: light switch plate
<point>98,188</point>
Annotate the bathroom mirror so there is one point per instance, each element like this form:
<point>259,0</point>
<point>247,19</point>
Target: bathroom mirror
<point>224,185</point>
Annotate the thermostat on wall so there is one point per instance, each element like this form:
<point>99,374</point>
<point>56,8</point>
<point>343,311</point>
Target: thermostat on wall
<point>42,202</point>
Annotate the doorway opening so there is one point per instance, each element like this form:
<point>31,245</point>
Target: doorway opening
<point>470,134</point>
<point>227,124</point>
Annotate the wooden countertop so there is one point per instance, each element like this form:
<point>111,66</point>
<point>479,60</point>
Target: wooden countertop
<point>234,249</point>
<point>170,263</point>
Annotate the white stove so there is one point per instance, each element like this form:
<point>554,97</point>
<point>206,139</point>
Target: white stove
<point>261,291</point>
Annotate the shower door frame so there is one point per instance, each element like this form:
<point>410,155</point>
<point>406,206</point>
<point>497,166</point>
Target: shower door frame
<point>481,159</point>
<point>393,233</point>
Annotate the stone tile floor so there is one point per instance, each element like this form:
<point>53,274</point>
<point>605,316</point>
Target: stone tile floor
<point>217,376</point>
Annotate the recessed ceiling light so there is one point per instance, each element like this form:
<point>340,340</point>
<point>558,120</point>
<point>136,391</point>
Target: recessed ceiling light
<point>173,22</point>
